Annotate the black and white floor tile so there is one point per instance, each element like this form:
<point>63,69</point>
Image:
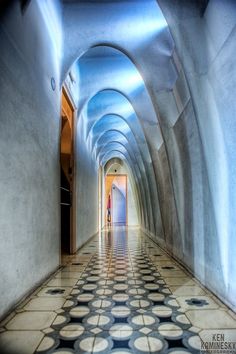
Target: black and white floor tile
<point>117,299</point>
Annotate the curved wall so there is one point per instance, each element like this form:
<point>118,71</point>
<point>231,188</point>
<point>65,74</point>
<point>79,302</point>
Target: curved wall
<point>203,129</point>
<point>29,149</point>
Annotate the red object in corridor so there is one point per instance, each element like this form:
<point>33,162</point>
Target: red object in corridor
<point>109,202</point>
<point>109,209</point>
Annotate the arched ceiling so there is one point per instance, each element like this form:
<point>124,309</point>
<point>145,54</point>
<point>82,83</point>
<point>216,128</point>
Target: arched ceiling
<point>129,40</point>
<point>113,97</point>
<point>138,28</point>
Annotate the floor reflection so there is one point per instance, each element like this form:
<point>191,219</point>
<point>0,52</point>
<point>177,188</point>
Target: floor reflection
<point>120,294</point>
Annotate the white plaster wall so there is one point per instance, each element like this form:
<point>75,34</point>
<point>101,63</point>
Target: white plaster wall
<point>86,189</point>
<point>29,153</point>
<point>132,208</point>
<point>201,142</point>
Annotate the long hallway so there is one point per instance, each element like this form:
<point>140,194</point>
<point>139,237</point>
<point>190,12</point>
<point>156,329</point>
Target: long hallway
<point>120,293</point>
<point>117,176</point>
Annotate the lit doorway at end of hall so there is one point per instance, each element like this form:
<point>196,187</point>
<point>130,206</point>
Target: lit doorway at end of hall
<point>67,175</point>
<point>116,200</point>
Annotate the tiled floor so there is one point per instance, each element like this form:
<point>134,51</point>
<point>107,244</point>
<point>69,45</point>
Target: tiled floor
<point>119,294</point>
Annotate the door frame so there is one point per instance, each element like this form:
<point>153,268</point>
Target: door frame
<point>126,192</point>
<point>100,205</point>
<point>67,96</point>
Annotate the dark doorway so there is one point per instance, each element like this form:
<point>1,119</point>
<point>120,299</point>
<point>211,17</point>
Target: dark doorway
<point>67,175</point>
<point>65,214</point>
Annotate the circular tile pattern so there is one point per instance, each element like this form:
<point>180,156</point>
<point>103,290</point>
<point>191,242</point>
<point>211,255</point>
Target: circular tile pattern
<point>151,286</point>
<point>71,331</point>
<point>194,342</point>
<point>98,320</point>
<point>46,344</point>
<point>121,287</point>
<point>80,282</point>
<point>104,291</point>
<point>143,266</point>
<point>120,297</point>
<point>59,320</point>
<point>120,311</point>
<point>79,311</point>
<point>135,282</point>
<point>106,282</point>
<point>136,291</point>
<point>156,297</point>
<point>148,278</point>
<point>148,344</point>
<point>162,311</point>
<point>120,265</point>
<point>156,274</point>
<point>69,303</point>
<point>85,297</point>
<point>89,287</point>
<point>101,303</point>
<point>139,303</point>
<point>124,302</point>
<point>145,271</point>
<point>143,320</point>
<point>183,319</point>
<point>94,344</point>
<point>170,330</point>
<point>93,279</point>
<point>120,278</point>
<point>121,331</point>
